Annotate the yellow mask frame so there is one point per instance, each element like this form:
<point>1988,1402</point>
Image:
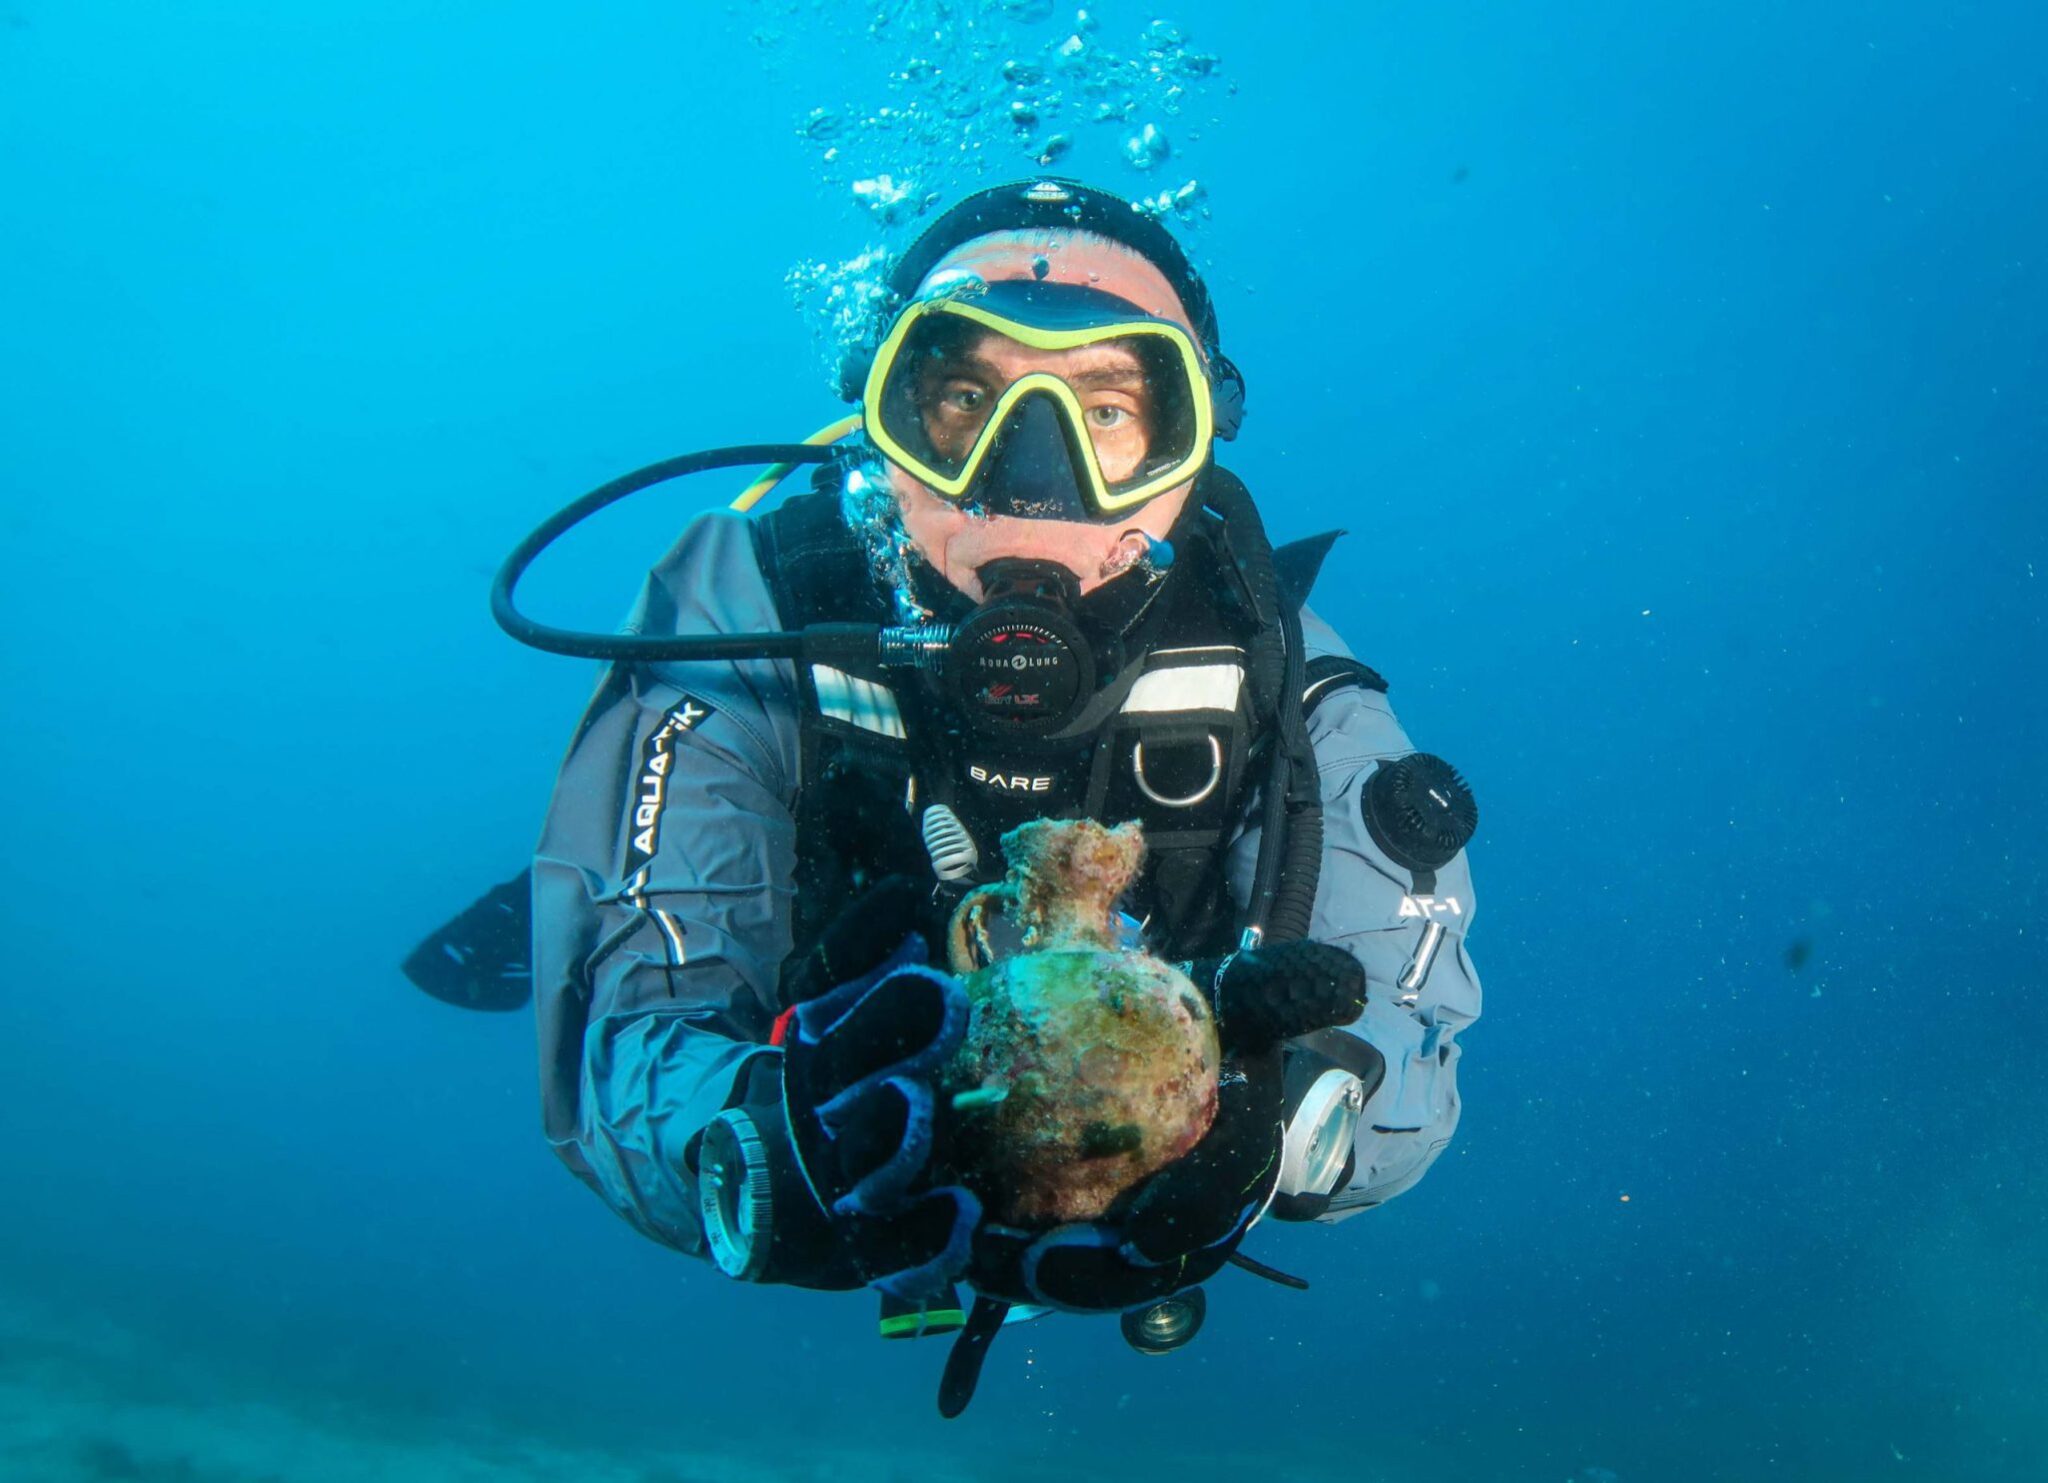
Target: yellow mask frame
<point>1102,496</point>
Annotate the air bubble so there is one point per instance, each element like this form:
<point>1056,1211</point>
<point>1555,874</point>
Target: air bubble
<point>885,197</point>
<point>1179,203</point>
<point>1146,148</point>
<point>1163,38</point>
<point>956,94</point>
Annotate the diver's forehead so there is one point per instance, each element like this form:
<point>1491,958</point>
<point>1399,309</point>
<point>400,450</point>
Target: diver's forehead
<point>1077,258</point>
<point>995,349</point>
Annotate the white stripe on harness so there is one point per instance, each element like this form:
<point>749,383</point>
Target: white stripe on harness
<point>1187,687</point>
<point>858,702</point>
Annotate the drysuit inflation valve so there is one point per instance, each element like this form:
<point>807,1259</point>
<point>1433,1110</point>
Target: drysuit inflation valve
<point>1420,811</point>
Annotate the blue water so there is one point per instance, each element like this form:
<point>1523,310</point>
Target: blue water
<point>1678,372</point>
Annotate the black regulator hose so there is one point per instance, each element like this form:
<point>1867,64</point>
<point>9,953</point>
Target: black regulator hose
<point>853,640</point>
<point>1301,865</point>
<point>1291,827</point>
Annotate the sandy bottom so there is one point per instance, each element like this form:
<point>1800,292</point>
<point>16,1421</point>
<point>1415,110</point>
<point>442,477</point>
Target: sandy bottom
<point>85,1404</point>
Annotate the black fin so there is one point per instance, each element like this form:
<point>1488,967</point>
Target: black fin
<point>1298,563</point>
<point>482,959</point>
<point>963,1365</point>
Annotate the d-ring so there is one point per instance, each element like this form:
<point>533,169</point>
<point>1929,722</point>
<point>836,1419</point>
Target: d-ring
<point>1215,776</point>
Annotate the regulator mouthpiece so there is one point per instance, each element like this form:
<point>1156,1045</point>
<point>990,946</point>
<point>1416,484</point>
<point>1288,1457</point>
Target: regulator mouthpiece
<point>1020,665</point>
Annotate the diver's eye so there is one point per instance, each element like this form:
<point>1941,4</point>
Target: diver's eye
<point>1107,417</point>
<point>966,399</point>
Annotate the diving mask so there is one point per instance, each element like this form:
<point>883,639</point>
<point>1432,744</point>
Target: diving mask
<point>1040,400</point>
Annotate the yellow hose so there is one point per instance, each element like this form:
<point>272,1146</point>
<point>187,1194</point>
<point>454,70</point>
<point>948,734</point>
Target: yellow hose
<point>753,494</point>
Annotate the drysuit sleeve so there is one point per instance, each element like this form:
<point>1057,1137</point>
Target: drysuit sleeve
<point>662,887</point>
<point>1366,905</point>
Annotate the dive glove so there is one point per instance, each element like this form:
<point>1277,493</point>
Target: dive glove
<point>852,1128</point>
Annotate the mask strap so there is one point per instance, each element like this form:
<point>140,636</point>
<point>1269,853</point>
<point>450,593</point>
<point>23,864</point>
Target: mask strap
<point>1226,395</point>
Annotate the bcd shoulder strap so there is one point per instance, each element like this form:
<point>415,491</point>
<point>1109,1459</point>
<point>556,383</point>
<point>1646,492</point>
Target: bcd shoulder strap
<point>816,569</point>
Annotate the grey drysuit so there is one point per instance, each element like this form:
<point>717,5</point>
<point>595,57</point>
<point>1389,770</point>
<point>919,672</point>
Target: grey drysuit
<point>663,883</point>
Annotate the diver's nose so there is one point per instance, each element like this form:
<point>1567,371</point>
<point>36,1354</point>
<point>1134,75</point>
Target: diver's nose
<point>1034,472</point>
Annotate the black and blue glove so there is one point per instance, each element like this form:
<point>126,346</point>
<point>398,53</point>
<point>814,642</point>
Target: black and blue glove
<point>869,1127</point>
<point>850,1128</point>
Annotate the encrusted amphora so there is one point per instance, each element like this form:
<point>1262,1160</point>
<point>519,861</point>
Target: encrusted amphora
<point>1088,1065</point>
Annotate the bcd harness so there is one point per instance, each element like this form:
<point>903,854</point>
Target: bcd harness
<point>892,782</point>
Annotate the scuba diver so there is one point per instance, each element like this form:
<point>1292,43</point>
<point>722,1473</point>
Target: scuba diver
<point>1020,587</point>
